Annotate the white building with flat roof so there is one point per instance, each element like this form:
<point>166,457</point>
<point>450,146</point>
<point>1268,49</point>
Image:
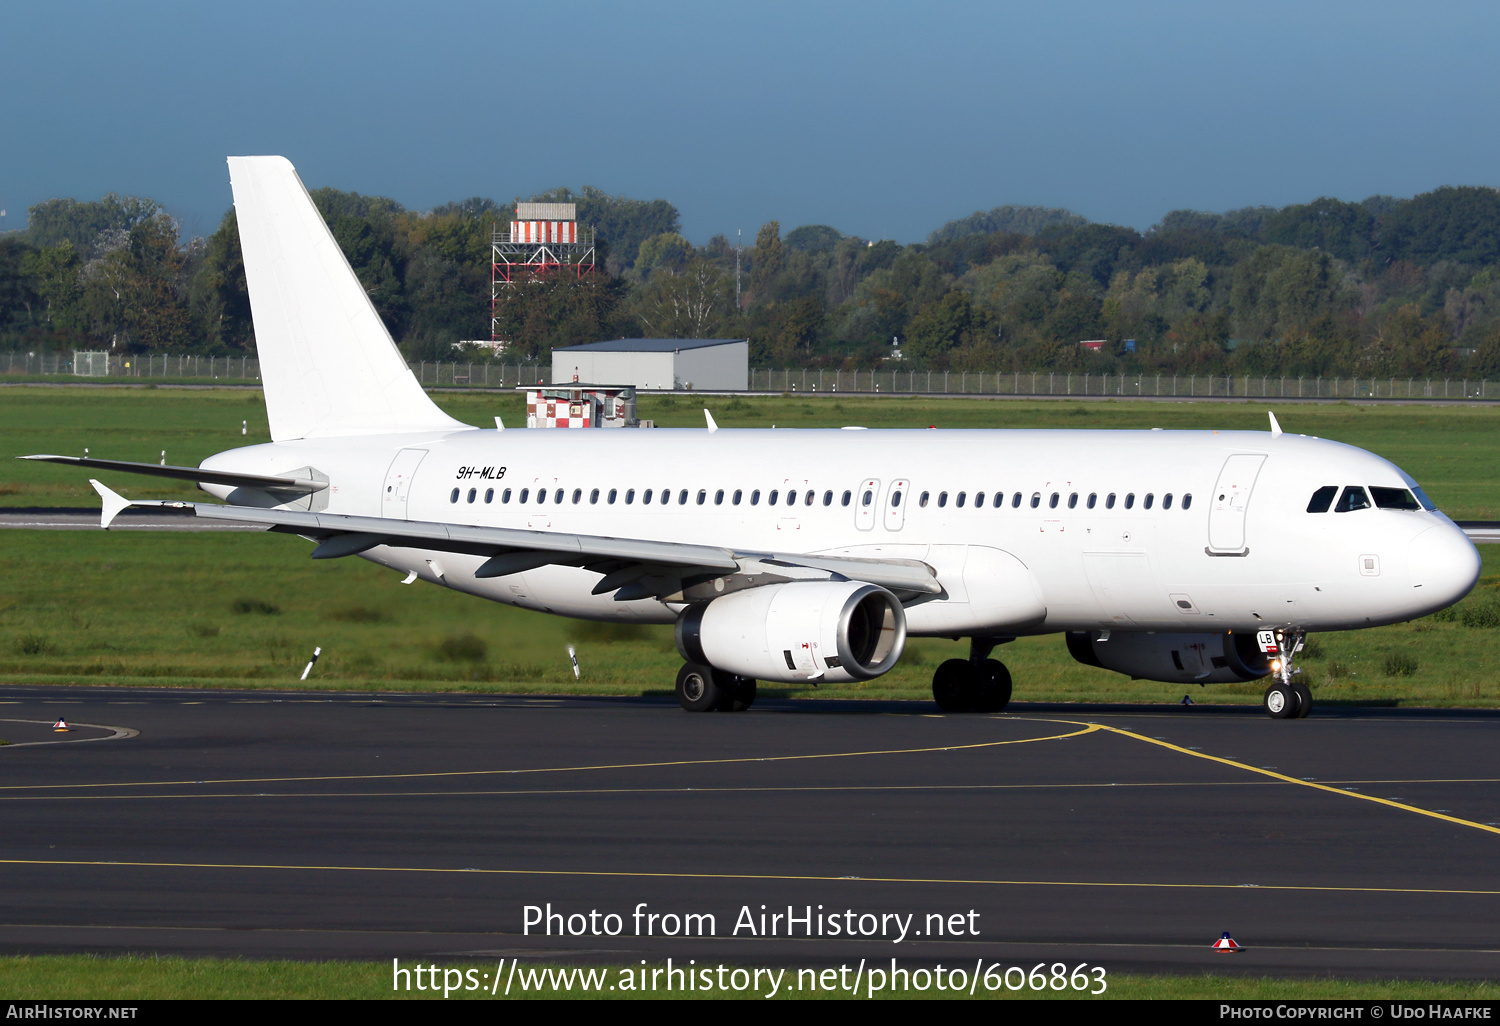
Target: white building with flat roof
<point>699,364</point>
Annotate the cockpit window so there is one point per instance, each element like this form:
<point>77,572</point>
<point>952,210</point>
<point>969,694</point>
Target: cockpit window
<point>1353,498</point>
<point>1427,503</point>
<point>1393,498</point>
<point>1322,499</point>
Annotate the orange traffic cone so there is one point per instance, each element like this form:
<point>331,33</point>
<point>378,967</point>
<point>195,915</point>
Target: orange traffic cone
<point>1226,945</point>
<point>61,726</point>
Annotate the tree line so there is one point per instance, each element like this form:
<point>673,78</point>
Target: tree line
<point>1382,287</point>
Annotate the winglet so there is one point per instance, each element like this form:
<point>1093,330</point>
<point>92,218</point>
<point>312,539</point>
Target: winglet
<point>712,427</point>
<point>114,502</point>
<point>1275,427</point>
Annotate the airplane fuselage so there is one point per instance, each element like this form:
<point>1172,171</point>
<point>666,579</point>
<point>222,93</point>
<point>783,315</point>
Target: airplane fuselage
<point>1027,531</point>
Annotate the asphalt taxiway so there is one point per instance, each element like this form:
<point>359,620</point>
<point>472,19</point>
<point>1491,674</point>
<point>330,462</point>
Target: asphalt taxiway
<point>1356,842</point>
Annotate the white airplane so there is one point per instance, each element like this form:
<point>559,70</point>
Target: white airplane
<point>811,556</point>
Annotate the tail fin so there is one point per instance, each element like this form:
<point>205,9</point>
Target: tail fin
<point>328,364</point>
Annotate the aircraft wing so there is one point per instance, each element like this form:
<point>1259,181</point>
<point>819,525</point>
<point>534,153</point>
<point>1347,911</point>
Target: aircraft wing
<point>632,567</point>
<point>297,484</point>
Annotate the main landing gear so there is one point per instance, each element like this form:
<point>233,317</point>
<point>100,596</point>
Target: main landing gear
<point>975,684</point>
<point>702,688</point>
<point>1287,697</point>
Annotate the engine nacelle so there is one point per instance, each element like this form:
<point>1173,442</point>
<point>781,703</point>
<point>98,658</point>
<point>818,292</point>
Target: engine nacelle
<point>797,632</point>
<point>1173,658</point>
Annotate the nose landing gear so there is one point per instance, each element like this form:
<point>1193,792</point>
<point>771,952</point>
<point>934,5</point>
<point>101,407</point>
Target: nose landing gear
<point>975,684</point>
<point>1288,697</point>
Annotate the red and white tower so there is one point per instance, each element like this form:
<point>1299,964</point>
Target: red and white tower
<point>544,238</point>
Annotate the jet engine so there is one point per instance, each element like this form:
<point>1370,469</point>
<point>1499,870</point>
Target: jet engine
<point>803,631</point>
<point>1172,658</point>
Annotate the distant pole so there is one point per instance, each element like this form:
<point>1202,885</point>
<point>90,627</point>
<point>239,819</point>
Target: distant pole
<point>739,244</point>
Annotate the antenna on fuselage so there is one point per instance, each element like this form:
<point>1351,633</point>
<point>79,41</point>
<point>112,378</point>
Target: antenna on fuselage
<point>1275,427</point>
<point>712,427</point>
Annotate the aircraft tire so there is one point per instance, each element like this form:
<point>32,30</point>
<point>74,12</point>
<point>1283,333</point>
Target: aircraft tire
<point>1304,700</point>
<point>993,692</point>
<point>697,690</point>
<point>738,692</point>
<point>954,686</point>
<point>1281,702</point>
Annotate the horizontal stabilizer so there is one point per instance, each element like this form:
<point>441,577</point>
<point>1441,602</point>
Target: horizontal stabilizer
<point>297,484</point>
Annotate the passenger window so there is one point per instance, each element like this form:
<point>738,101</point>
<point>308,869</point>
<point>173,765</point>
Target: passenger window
<point>895,498</point>
<point>979,500</point>
<point>682,497</point>
<point>999,499</point>
<point>557,497</point>
<point>1015,501</point>
<point>525,494</point>
<point>1393,498</point>
<point>1073,500</point>
<point>1036,499</point>
<point>702,494</point>
<point>719,497</point>
<point>612,493</point>
<point>473,493</point>
<point>489,495</point>
<point>923,500</point>
<point>1166,501</point>
<point>847,496</point>
<point>645,496</point>
<point>629,496</point>
<point>1187,501</point>
<point>1109,501</point>
<point>791,497</point>
<point>869,497</point>
<point>959,502</point>
<point>454,496</point>
<point>755,497</point>
<point>541,495</point>
<point>807,500</point>
<point>1129,499</point>
<point>666,496</point>
<point>594,497</point>
<point>1150,498</point>
<point>505,496</point>
<point>1093,498</point>
<point>1322,499</point>
<point>738,494</point>
<point>1353,498</point>
<point>828,498</point>
<point>772,496</point>
<point>577,495</point>
<point>942,499</point>
<point>1052,502</point>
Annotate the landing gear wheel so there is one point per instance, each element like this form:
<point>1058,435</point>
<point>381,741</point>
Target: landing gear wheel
<point>993,692</point>
<point>697,691</point>
<point>736,693</point>
<point>1281,702</point>
<point>1304,699</point>
<point>955,686</point>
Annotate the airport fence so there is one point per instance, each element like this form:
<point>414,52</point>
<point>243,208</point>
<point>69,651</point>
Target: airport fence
<point>246,369</point>
<point>455,374</point>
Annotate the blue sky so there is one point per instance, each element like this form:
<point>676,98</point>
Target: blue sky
<point>881,119</point>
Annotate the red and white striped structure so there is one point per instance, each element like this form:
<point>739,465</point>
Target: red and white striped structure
<point>544,231</point>
<point>542,239</point>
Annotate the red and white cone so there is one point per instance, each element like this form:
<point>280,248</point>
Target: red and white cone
<point>1226,945</point>
<point>61,726</point>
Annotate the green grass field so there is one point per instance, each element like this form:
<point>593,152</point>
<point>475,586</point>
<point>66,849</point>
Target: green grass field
<point>84,977</point>
<point>246,610</point>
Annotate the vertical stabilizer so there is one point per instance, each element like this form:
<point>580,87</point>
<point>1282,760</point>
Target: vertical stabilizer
<point>328,364</point>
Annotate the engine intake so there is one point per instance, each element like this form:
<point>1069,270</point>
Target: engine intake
<point>836,631</point>
<point>1173,658</point>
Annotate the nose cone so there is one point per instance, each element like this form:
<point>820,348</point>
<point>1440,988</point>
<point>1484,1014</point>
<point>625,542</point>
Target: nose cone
<point>1444,566</point>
